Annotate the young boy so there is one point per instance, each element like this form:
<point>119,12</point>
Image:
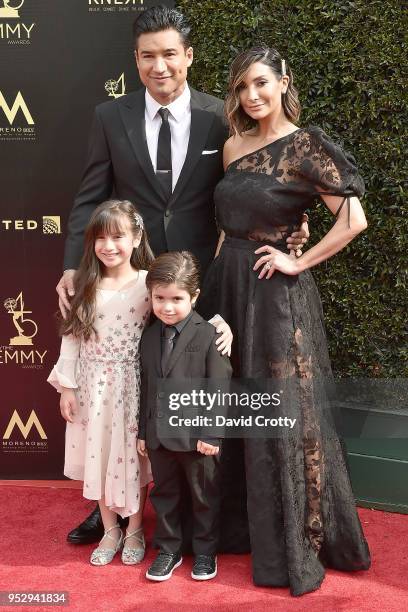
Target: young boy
<point>179,345</point>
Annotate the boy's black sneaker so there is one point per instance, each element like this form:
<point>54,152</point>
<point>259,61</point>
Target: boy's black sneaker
<point>205,567</point>
<point>163,566</point>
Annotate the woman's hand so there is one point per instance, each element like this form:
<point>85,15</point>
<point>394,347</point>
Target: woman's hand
<point>68,404</point>
<point>276,260</point>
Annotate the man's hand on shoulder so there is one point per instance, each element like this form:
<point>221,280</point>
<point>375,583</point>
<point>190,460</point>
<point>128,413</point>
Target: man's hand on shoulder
<point>224,342</point>
<point>65,290</point>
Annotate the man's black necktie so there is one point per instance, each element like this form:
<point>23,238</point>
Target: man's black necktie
<point>169,334</point>
<point>163,167</point>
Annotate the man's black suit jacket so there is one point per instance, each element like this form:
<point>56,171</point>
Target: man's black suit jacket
<point>195,355</point>
<point>119,165</point>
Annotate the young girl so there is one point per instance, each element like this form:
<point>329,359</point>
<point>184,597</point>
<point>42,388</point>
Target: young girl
<point>97,375</point>
<point>179,345</point>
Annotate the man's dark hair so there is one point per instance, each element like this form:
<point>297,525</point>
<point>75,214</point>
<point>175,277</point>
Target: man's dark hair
<point>158,18</point>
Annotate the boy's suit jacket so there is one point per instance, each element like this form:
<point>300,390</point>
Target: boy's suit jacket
<point>119,164</point>
<point>194,356</point>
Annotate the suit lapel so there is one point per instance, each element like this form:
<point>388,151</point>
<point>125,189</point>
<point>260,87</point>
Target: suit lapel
<point>202,118</point>
<point>183,340</point>
<point>132,112</point>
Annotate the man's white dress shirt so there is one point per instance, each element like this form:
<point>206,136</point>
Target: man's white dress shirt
<point>179,121</point>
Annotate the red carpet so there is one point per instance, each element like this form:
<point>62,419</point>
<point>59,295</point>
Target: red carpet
<point>35,556</point>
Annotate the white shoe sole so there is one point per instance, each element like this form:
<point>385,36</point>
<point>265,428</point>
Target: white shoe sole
<point>205,576</point>
<point>162,578</point>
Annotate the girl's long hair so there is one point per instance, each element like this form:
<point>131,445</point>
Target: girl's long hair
<point>108,218</point>
<point>238,120</point>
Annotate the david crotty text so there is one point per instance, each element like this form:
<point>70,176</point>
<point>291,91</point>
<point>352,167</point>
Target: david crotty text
<point>222,421</point>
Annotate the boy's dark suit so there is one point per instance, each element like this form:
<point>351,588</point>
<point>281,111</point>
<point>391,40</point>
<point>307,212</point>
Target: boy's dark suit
<point>194,356</point>
<point>119,164</point>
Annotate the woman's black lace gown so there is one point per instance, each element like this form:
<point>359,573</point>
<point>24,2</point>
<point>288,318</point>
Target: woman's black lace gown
<point>301,509</point>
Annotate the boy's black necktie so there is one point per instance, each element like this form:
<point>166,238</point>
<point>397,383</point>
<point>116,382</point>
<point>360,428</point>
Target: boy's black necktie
<point>163,166</point>
<point>169,334</point>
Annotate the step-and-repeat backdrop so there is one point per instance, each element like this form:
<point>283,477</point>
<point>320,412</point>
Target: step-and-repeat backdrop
<point>58,59</point>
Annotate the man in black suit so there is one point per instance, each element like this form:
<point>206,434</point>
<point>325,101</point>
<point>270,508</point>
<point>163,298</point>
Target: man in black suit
<point>129,140</point>
<point>123,149</point>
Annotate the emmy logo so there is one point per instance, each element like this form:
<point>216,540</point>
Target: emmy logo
<point>10,12</point>
<point>116,89</point>
<point>26,328</point>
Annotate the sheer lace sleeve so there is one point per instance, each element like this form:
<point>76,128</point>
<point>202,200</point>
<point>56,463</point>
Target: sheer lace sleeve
<point>64,373</point>
<point>328,168</point>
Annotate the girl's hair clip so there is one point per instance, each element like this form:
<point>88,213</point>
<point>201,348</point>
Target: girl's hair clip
<point>138,220</point>
<point>283,67</point>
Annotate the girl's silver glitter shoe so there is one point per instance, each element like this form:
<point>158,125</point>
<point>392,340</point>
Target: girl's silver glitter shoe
<point>103,556</point>
<point>131,556</point>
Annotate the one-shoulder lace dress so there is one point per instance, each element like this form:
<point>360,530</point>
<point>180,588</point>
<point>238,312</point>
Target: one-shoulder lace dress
<point>100,445</point>
<point>300,505</point>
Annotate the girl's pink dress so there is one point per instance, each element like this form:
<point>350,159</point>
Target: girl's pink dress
<point>100,446</point>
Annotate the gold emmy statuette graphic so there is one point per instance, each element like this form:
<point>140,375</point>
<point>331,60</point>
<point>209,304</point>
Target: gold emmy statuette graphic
<point>116,89</point>
<point>25,429</point>
<point>10,12</point>
<point>51,225</point>
<point>15,307</point>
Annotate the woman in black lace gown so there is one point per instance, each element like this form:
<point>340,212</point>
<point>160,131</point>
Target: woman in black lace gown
<point>301,509</point>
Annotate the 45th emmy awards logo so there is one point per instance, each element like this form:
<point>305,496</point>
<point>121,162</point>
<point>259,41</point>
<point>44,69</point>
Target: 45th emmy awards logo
<point>26,328</point>
<point>16,353</point>
<point>116,89</point>
<point>15,32</point>
<point>10,9</point>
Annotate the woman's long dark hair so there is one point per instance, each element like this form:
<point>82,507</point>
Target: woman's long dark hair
<point>108,218</point>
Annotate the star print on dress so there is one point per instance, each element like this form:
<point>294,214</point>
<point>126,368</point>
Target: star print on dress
<point>101,444</point>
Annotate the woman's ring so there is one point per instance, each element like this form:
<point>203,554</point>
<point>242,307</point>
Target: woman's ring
<point>267,266</point>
